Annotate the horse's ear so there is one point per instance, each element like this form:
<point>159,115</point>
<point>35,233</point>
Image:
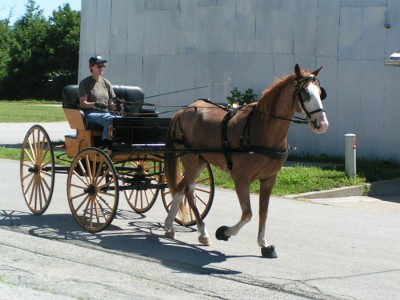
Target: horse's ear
<point>316,71</point>
<point>297,71</point>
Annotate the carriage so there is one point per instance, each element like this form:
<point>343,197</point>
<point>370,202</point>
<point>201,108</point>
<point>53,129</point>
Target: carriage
<point>153,156</point>
<point>132,168</point>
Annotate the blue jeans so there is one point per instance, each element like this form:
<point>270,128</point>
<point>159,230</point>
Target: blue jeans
<point>102,118</point>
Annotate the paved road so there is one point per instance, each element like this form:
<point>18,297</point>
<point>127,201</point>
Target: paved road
<point>14,133</point>
<point>338,249</point>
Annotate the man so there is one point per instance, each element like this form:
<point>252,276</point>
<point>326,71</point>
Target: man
<point>96,98</point>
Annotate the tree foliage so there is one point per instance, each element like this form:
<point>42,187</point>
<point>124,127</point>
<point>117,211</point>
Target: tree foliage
<point>41,54</point>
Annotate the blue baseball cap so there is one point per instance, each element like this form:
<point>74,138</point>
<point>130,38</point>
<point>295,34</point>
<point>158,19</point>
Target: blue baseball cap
<point>97,59</point>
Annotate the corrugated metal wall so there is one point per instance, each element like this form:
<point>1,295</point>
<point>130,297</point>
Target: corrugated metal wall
<point>170,45</point>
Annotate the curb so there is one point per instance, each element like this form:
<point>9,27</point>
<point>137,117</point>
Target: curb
<point>347,191</point>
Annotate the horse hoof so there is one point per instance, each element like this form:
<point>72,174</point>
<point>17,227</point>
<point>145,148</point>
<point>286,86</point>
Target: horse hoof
<point>205,241</point>
<point>220,234</point>
<point>170,234</point>
<point>269,252</point>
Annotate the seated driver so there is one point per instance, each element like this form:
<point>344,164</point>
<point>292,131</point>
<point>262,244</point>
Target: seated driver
<point>96,98</point>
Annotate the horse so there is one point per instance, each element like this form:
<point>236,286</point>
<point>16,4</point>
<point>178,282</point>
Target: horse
<point>250,142</point>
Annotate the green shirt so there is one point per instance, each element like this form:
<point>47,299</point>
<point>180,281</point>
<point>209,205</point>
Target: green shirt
<point>94,90</point>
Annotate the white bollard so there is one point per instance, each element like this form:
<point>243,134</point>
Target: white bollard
<point>350,149</point>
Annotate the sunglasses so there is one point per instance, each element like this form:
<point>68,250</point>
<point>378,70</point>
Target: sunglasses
<point>101,66</point>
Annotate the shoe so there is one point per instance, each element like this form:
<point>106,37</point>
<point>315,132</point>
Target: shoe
<point>105,145</point>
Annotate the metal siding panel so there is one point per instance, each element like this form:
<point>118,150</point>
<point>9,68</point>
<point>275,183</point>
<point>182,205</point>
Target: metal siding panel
<point>262,75</point>
<point>373,33</point>
<point>214,29</point>
<point>350,33</point>
<point>328,28</point>
<point>119,30</point>
<point>136,27</point>
<point>103,27</point>
<point>151,74</point>
<point>392,34</point>
<point>263,31</point>
<point>187,27</point>
<point>244,27</point>
<point>305,27</point>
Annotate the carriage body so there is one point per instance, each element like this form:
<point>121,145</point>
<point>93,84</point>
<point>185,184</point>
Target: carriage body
<point>132,167</point>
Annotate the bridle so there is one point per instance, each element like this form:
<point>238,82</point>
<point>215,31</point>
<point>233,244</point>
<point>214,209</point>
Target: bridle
<point>304,96</point>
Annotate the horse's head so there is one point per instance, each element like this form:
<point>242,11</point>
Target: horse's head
<point>310,95</point>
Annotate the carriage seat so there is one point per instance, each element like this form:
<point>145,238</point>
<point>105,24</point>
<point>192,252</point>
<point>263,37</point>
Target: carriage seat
<point>133,95</point>
<point>88,133</point>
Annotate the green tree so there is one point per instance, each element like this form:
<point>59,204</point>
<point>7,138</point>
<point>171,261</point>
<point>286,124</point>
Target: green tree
<point>28,57</point>
<point>4,46</point>
<point>62,42</point>
<point>44,54</point>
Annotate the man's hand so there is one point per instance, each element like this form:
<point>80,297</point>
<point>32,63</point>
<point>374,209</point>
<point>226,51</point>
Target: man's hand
<point>100,105</point>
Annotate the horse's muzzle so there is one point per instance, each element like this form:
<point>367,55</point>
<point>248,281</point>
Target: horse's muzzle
<point>319,124</point>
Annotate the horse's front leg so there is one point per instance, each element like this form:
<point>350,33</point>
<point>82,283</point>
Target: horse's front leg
<point>266,186</point>
<point>243,193</point>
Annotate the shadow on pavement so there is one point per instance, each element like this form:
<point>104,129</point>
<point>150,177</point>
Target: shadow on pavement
<point>141,238</point>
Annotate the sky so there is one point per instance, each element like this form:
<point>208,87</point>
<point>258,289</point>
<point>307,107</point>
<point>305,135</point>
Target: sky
<point>18,7</point>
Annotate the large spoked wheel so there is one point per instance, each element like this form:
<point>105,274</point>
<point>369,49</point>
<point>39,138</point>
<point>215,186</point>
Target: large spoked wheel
<point>37,169</point>
<point>140,181</point>
<point>92,189</point>
<point>204,192</point>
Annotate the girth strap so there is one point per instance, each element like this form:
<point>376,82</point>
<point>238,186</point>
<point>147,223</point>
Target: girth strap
<point>224,135</point>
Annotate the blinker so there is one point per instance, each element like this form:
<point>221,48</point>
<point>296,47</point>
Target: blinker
<point>323,93</point>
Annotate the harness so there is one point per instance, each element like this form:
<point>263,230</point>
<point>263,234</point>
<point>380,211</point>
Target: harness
<point>245,146</point>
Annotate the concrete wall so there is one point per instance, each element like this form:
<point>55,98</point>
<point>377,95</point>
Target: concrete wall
<point>171,45</point>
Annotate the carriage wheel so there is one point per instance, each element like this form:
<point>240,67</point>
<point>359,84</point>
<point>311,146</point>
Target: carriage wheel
<point>37,169</point>
<point>92,189</point>
<point>204,192</point>
<point>143,178</point>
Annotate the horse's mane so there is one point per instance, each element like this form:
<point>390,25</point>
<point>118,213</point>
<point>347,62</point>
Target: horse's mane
<point>270,95</point>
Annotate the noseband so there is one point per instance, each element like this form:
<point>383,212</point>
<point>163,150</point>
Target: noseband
<point>304,95</point>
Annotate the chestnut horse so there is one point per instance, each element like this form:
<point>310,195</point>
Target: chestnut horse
<point>249,142</point>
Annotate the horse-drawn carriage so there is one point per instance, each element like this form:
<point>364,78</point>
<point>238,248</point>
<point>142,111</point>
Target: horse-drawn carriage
<point>150,156</point>
<point>133,166</point>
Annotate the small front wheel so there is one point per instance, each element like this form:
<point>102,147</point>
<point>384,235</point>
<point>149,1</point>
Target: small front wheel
<point>37,169</point>
<point>92,189</point>
<point>141,181</point>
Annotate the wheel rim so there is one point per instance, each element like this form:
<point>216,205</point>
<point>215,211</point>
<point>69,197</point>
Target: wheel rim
<point>204,192</point>
<point>140,180</point>
<point>92,188</point>
<point>37,169</point>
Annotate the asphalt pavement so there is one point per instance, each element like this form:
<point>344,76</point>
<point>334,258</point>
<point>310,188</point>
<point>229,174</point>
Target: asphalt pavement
<point>328,248</point>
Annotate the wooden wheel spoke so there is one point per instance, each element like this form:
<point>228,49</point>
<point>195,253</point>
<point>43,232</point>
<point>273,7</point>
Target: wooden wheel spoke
<point>83,200</point>
<point>30,157</point>
<point>105,202</point>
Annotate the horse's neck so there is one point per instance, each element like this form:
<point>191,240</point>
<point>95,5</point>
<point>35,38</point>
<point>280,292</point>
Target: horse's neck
<point>274,126</point>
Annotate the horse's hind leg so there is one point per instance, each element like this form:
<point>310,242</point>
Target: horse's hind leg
<point>204,237</point>
<point>191,174</point>
<point>169,221</point>
<point>243,192</point>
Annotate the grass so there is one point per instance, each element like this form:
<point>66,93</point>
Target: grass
<point>31,111</point>
<point>298,178</point>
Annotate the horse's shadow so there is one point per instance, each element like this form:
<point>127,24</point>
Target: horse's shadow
<point>143,238</point>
